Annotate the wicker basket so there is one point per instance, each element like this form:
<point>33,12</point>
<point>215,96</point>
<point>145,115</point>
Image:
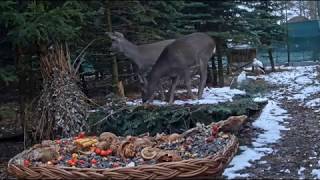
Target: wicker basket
<point>205,168</point>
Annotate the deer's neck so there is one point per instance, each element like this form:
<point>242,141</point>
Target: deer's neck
<point>131,51</point>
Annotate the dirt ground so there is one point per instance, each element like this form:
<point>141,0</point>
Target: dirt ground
<point>298,147</point>
<point>8,149</point>
<point>296,154</point>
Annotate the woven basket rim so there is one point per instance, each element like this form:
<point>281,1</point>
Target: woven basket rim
<point>225,155</point>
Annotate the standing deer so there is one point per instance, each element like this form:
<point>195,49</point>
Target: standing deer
<point>144,56</point>
<point>176,61</point>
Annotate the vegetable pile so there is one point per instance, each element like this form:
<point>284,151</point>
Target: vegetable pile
<point>110,151</point>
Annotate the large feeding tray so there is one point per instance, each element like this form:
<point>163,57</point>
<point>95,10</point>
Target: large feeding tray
<point>169,157</point>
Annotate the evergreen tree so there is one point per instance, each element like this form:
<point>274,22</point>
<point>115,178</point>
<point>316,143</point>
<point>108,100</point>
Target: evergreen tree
<point>41,28</point>
<point>221,20</point>
<point>265,24</point>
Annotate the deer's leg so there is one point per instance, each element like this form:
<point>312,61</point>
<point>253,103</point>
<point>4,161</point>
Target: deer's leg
<point>174,84</point>
<point>203,78</point>
<point>163,97</point>
<point>151,98</point>
<point>141,80</point>
<point>187,79</point>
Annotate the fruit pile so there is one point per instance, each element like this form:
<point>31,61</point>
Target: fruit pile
<point>111,151</point>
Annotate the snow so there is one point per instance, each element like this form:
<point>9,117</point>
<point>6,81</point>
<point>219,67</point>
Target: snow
<point>241,161</point>
<point>316,172</point>
<point>300,171</point>
<point>131,164</point>
<point>210,96</point>
<point>270,121</point>
<point>303,80</point>
<point>313,103</point>
<point>292,78</point>
<point>241,78</point>
<point>263,162</point>
<point>282,67</point>
<point>287,171</point>
<point>260,99</point>
<point>257,63</point>
<point>252,77</point>
<point>300,84</point>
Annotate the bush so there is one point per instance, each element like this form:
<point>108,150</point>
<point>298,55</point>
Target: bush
<point>134,120</point>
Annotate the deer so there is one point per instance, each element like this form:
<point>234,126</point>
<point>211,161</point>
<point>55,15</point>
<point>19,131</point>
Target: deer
<point>177,60</point>
<point>144,56</point>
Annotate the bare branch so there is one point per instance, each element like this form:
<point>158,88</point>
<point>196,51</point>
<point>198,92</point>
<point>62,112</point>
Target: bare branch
<point>83,50</point>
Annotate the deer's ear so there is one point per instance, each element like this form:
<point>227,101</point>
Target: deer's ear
<point>118,34</point>
<point>109,34</point>
<point>112,35</point>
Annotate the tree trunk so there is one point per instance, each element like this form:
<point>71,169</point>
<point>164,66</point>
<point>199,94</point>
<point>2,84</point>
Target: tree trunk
<point>271,58</point>
<point>318,8</point>
<point>209,75</point>
<point>229,63</point>
<point>62,107</point>
<point>214,72</point>
<point>300,8</point>
<point>287,33</point>
<point>220,65</point>
<point>22,86</point>
<point>115,73</point>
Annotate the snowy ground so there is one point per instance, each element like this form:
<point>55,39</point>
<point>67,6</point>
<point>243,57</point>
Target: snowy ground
<point>269,120</point>
<point>210,96</point>
<point>299,86</point>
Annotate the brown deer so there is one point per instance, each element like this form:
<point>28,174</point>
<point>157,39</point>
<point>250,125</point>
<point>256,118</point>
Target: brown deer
<point>144,56</point>
<point>176,61</point>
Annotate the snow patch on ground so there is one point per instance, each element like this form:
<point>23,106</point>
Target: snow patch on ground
<point>260,99</point>
<point>316,173</point>
<point>300,82</point>
<point>269,120</point>
<point>282,67</point>
<point>252,77</point>
<point>294,78</point>
<point>271,117</point>
<point>305,92</point>
<point>210,96</point>
<point>313,103</point>
<point>241,162</point>
<point>301,173</point>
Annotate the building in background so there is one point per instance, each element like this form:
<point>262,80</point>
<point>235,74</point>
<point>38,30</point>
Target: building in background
<point>240,56</point>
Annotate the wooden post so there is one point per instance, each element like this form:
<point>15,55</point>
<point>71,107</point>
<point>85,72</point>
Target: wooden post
<point>287,35</point>
<point>271,58</point>
<point>115,72</point>
<point>220,65</point>
<point>214,71</point>
<point>318,7</point>
<point>228,61</point>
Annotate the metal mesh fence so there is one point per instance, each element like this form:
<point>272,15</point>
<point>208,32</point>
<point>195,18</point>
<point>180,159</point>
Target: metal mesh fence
<point>303,41</point>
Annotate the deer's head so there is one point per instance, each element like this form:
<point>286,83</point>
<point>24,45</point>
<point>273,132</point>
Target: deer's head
<point>117,41</point>
<point>148,89</point>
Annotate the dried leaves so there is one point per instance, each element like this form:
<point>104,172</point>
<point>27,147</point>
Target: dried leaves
<point>62,109</point>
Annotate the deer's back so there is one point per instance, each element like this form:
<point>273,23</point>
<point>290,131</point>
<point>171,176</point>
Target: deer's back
<point>152,51</point>
<point>185,51</point>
